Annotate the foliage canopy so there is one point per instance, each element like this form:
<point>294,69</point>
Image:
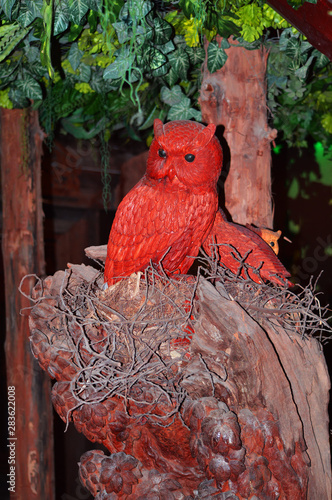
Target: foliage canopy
<point>93,66</point>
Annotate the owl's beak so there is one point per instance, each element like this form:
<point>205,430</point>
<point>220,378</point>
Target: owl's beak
<point>169,168</point>
<point>171,173</point>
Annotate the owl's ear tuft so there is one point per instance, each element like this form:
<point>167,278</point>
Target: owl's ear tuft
<point>203,138</point>
<point>158,128</point>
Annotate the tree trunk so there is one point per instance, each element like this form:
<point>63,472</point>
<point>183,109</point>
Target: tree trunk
<point>31,435</point>
<point>235,97</point>
<point>272,368</point>
<point>236,406</point>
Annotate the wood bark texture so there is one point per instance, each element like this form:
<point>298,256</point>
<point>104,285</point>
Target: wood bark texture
<point>283,373</point>
<point>236,408</point>
<point>23,254</point>
<point>235,97</point>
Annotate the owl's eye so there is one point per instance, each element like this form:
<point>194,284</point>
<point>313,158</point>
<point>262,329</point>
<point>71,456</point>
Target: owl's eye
<point>272,243</point>
<point>162,153</point>
<point>189,158</point>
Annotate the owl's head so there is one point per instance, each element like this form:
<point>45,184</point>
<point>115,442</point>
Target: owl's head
<point>187,150</point>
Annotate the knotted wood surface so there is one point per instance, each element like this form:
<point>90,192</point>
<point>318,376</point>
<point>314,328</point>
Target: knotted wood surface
<point>198,390</point>
<point>235,97</point>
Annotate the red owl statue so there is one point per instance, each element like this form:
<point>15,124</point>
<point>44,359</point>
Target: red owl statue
<point>173,210</point>
<point>169,213</point>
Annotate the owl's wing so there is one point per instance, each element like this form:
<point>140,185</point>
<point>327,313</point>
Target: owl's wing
<point>135,234</point>
<point>151,224</point>
<point>235,242</point>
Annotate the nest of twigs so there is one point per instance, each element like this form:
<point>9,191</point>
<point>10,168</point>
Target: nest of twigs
<point>132,340</point>
<point>296,310</point>
<point>114,342</point>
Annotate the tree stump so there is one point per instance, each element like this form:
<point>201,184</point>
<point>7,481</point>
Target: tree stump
<point>235,97</point>
<point>200,388</point>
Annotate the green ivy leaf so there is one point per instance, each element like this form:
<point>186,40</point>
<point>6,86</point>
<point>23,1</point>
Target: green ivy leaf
<point>224,43</point>
<point>118,68</point>
<point>98,84</point>
<point>122,31</point>
<point>305,47</point>
<point>166,48</point>
<point>7,6</point>
<point>151,58</point>
<point>134,75</point>
<point>29,11</point>
<point>78,9</point>
<point>196,55</point>
<point>162,31</point>
<point>172,76</point>
<point>321,59</point>
<point>84,73</point>
<point>61,17</point>
<point>32,54</point>
<point>171,96</point>
<point>75,55</point>
<point>35,69</point>
<point>216,57</point>
<point>293,49</point>
<point>286,34</point>
<point>17,97</point>
<point>183,111</point>
<point>138,8</point>
<point>9,71</point>
<point>29,87</point>
<point>251,33</point>
<point>279,81</point>
<point>179,61</point>
<point>161,71</point>
<point>302,72</point>
<point>196,114</point>
<point>141,34</point>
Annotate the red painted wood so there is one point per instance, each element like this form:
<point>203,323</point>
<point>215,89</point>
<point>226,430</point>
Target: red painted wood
<point>23,253</point>
<point>313,20</point>
<point>232,97</point>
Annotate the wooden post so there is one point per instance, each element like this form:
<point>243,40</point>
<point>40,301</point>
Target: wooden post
<point>235,96</point>
<point>32,476</point>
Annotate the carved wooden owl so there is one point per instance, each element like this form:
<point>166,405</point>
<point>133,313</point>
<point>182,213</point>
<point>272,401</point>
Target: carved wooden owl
<point>165,218</point>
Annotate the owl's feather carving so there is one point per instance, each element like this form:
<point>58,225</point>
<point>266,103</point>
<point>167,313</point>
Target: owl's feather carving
<point>235,242</point>
<point>168,214</point>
